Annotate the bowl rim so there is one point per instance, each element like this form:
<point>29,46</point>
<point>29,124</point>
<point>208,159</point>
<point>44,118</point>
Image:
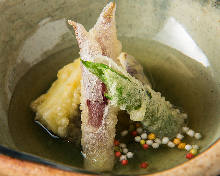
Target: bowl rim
<point>16,163</point>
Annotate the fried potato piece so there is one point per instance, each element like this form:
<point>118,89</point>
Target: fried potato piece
<point>59,105</point>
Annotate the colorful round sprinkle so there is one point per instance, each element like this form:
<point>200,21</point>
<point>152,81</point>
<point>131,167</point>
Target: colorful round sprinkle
<point>124,162</point>
<point>144,136</point>
<point>193,151</point>
<point>124,133</point>
<point>157,140</point>
<point>198,136</point>
<point>165,140</point>
<point>116,142</point>
<point>137,138</point>
<point>145,146</point>
<point>176,141</point>
<point>139,130</point>
<point>190,133</point>
<point>118,154</point>
<point>130,155</point>
<point>144,165</point>
<point>188,147</point>
<point>195,147</point>
<point>138,125</point>
<point>181,145</point>
<point>171,144</point>
<point>123,157</point>
<point>142,142</point>
<point>155,145</point>
<point>185,129</point>
<point>189,155</point>
<point>179,136</point>
<point>134,133</point>
<point>151,136</point>
<point>125,150</point>
<point>149,142</point>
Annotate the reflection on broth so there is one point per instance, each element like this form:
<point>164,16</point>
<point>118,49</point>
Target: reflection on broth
<point>174,35</point>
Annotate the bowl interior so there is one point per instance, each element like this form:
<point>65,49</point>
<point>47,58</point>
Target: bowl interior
<point>176,42</point>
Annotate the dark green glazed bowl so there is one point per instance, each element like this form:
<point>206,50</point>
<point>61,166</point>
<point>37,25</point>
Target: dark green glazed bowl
<point>178,42</point>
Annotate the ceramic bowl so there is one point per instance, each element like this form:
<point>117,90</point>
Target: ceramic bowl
<point>178,42</point>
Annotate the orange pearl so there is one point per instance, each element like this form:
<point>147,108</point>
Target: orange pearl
<point>176,141</point>
<point>181,145</point>
<point>151,136</point>
<point>138,125</point>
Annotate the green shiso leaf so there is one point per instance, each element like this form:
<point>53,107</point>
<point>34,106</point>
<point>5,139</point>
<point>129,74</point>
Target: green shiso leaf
<point>142,103</point>
<point>121,90</point>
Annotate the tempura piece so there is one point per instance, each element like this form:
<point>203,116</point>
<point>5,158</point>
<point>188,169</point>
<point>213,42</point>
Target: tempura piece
<point>98,116</point>
<point>135,69</point>
<point>60,104</point>
<point>141,102</point>
<point>41,107</point>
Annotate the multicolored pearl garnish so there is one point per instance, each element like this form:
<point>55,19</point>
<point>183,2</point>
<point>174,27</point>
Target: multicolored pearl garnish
<point>155,142</point>
<point>146,140</point>
<point>121,152</point>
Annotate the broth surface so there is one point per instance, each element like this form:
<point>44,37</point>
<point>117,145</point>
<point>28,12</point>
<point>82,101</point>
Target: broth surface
<point>185,82</point>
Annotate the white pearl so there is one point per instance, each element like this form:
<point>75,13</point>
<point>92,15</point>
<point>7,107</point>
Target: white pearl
<point>144,136</point>
<point>185,129</point>
<point>195,147</point>
<point>165,140</point>
<point>125,150</point>
<point>123,157</point>
<point>122,145</point>
<point>139,130</point>
<point>124,133</point>
<point>149,142</point>
<point>157,140</point>
<point>179,136</point>
<point>177,111</point>
<point>184,116</point>
<point>137,138</point>
<point>188,147</point>
<point>190,133</point>
<point>171,144</point>
<point>155,145</point>
<point>130,155</point>
<point>198,136</point>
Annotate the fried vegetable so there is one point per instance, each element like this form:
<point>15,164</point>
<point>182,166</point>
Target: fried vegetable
<point>128,63</point>
<point>133,67</point>
<point>98,116</point>
<point>59,105</point>
<point>141,102</point>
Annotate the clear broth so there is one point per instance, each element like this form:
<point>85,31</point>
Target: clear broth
<point>182,80</point>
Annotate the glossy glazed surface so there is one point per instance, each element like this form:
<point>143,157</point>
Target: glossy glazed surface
<point>36,30</point>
